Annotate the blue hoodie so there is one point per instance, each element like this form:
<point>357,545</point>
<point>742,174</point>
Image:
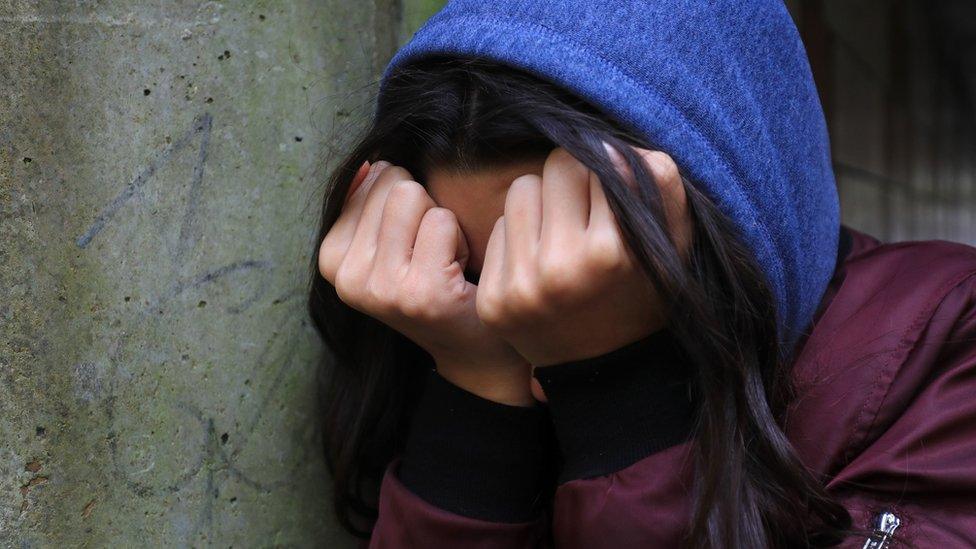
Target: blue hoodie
<point>723,86</point>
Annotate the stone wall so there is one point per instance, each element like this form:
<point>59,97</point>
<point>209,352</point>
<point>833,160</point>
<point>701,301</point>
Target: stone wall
<point>161,169</point>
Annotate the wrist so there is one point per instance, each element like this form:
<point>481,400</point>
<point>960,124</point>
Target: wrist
<point>596,343</point>
<point>505,384</point>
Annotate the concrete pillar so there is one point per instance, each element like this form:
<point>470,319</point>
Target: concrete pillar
<point>161,170</point>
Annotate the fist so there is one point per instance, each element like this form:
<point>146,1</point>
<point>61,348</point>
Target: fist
<point>559,281</point>
<point>393,254</point>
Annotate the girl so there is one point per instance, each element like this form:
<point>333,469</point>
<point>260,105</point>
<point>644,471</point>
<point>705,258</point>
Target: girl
<point>584,284</point>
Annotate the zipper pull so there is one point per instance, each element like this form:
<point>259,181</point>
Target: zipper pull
<point>885,525</point>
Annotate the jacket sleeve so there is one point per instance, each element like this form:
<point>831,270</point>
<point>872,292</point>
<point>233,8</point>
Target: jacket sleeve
<point>473,474</point>
<point>919,474</point>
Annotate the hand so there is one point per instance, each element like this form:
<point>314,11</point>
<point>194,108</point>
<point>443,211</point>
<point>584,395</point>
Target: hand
<point>559,282</point>
<point>394,255</point>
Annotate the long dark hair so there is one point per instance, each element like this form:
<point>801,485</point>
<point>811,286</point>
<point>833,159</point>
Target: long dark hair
<point>470,113</point>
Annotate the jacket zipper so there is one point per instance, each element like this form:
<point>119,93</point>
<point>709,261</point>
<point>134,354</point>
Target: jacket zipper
<point>885,526</point>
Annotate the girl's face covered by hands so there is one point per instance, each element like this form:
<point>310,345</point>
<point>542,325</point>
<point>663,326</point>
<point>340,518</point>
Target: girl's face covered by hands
<point>515,266</point>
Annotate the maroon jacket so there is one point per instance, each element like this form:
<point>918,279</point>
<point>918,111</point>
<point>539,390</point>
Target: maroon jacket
<point>886,410</point>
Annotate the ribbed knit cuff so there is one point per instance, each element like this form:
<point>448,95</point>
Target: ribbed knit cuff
<point>613,410</point>
<point>475,457</point>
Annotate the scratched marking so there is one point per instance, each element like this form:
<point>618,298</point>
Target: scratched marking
<point>188,232</point>
<point>206,278</point>
<point>207,448</point>
<point>201,125</point>
<point>205,452</point>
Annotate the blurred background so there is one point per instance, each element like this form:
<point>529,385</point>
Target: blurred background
<point>897,80</point>
<point>161,170</point>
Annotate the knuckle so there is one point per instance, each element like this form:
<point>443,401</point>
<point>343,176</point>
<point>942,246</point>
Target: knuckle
<point>379,296</point>
<point>607,255</point>
<point>414,307</point>
<point>327,263</point>
<point>347,285</point>
<point>525,300</point>
<point>558,276</point>
<point>343,293</point>
<point>490,308</point>
<point>414,300</point>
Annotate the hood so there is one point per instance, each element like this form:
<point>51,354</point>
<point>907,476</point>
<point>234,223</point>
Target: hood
<point>722,86</point>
